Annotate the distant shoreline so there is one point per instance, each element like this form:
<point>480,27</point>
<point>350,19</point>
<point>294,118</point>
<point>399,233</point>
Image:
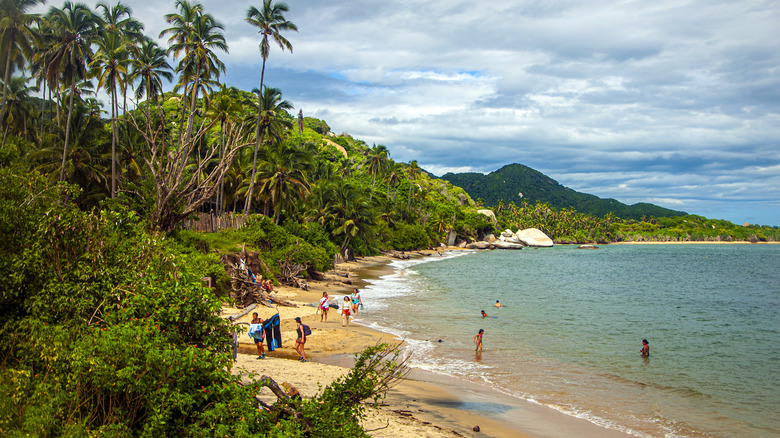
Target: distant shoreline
<point>692,242</point>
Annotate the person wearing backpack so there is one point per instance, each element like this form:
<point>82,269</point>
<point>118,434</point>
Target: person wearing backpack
<point>256,333</point>
<point>301,341</point>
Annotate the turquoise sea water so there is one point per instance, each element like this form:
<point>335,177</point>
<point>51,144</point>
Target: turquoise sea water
<point>570,334</point>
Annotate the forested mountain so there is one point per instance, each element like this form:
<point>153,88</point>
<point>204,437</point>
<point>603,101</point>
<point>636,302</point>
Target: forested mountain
<point>517,183</point>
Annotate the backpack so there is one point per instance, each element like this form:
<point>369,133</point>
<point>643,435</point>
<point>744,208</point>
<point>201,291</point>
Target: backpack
<point>306,330</point>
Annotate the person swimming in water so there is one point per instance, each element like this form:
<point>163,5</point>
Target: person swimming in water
<point>497,305</point>
<point>484,315</point>
<point>645,348</point>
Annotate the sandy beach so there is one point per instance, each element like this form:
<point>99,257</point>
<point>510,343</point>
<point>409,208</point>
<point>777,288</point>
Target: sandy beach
<point>423,405</point>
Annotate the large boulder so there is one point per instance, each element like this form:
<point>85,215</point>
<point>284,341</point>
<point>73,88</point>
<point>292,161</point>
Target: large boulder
<point>506,245</point>
<point>507,233</point>
<point>489,214</point>
<point>478,245</point>
<point>451,235</point>
<point>534,237</point>
<point>490,238</point>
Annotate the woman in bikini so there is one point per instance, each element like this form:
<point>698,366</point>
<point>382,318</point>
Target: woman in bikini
<point>301,341</point>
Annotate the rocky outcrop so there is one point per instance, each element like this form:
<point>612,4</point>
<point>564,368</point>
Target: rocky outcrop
<point>534,237</point>
<point>451,235</point>
<point>489,214</point>
<point>510,240</point>
<point>588,247</point>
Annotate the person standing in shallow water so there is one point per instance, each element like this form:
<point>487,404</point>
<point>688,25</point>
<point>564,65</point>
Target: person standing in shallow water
<point>645,348</point>
<point>478,340</point>
<point>356,302</point>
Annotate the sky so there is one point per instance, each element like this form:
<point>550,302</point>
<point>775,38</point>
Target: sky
<point>675,103</point>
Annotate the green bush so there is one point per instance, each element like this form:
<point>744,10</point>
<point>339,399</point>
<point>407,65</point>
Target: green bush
<point>407,237</point>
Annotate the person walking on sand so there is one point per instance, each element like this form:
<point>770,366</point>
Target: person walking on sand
<point>256,332</point>
<point>301,341</point>
<point>356,301</point>
<point>497,305</point>
<point>345,311</point>
<point>478,340</point>
<point>484,315</point>
<point>645,348</point>
<point>324,307</point>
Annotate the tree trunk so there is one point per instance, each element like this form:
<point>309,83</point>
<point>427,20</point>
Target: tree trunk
<point>373,182</point>
<point>113,141</point>
<point>7,72</point>
<point>259,134</point>
<point>194,100</point>
<point>67,127</point>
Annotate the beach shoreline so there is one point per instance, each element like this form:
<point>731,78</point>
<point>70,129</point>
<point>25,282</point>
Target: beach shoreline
<point>424,404</point>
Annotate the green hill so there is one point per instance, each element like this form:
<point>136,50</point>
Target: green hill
<point>515,183</point>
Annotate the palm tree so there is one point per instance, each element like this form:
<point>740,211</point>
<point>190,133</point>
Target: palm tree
<point>16,26</point>
<point>271,23</point>
<point>195,35</point>
<point>284,177</point>
<point>75,27</point>
<point>110,66</point>
<point>393,179</point>
<point>377,157</point>
<point>271,109</point>
<point>119,18</point>
<point>351,214</point>
<point>413,170</point>
<point>150,67</point>
<point>225,105</point>
<point>17,107</point>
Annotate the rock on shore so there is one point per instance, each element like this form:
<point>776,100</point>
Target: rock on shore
<point>510,240</point>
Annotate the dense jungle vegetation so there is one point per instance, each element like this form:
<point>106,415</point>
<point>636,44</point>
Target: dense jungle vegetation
<point>105,326</point>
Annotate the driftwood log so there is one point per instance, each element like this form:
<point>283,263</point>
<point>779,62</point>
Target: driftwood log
<point>283,406</point>
<point>244,291</point>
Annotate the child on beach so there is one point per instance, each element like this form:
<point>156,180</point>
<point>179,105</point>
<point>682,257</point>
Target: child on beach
<point>345,311</point>
<point>478,340</point>
<point>324,306</point>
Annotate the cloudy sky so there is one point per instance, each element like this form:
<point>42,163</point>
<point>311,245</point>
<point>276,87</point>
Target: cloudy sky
<point>671,102</point>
